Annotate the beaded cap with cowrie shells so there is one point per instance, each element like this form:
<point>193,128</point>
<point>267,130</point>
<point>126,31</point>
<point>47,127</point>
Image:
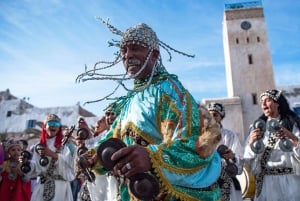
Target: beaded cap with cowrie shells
<point>272,93</point>
<point>10,143</point>
<point>140,34</point>
<point>218,107</point>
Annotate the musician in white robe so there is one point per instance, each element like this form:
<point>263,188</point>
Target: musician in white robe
<point>230,187</point>
<point>277,165</point>
<point>104,188</point>
<point>53,177</point>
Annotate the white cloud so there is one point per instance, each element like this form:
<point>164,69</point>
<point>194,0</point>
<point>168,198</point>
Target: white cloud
<point>44,45</point>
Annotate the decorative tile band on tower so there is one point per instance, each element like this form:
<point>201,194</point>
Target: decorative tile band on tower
<point>250,4</point>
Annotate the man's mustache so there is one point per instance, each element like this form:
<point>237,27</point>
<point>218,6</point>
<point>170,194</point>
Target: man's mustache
<point>133,62</point>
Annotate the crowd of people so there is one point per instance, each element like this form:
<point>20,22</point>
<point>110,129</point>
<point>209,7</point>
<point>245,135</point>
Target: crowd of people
<point>156,143</point>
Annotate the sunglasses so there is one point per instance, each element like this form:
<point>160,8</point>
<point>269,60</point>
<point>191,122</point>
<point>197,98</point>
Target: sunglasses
<point>53,123</point>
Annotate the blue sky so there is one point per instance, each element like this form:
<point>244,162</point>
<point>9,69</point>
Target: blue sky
<point>45,44</point>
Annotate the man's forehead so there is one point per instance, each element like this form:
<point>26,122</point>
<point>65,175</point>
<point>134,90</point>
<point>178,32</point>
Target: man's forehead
<point>133,45</point>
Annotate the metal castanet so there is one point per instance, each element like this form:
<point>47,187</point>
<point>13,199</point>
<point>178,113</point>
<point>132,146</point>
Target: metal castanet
<point>85,167</point>
<point>231,168</point>
<point>44,161</point>
<point>82,133</point>
<point>144,186</point>
<point>285,144</point>
<point>258,145</point>
<point>25,167</point>
<point>68,135</point>
<point>107,149</point>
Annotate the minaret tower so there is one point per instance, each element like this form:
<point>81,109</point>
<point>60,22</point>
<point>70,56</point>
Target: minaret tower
<point>248,62</point>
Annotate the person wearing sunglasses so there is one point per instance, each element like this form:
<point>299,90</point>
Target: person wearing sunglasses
<point>105,186</point>
<point>51,163</point>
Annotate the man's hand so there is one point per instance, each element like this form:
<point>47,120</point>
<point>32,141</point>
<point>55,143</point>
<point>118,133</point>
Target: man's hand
<point>131,160</point>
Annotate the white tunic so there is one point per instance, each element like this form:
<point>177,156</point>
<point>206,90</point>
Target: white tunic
<point>284,187</point>
<point>64,168</point>
<point>105,188</point>
<point>231,140</point>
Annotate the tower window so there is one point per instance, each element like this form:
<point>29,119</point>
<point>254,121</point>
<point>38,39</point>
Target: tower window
<point>250,59</point>
<point>254,98</point>
<point>248,40</point>
<point>258,39</point>
<point>237,41</point>
<point>9,113</point>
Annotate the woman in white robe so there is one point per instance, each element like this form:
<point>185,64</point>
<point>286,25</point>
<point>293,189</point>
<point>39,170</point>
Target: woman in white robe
<point>276,167</point>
